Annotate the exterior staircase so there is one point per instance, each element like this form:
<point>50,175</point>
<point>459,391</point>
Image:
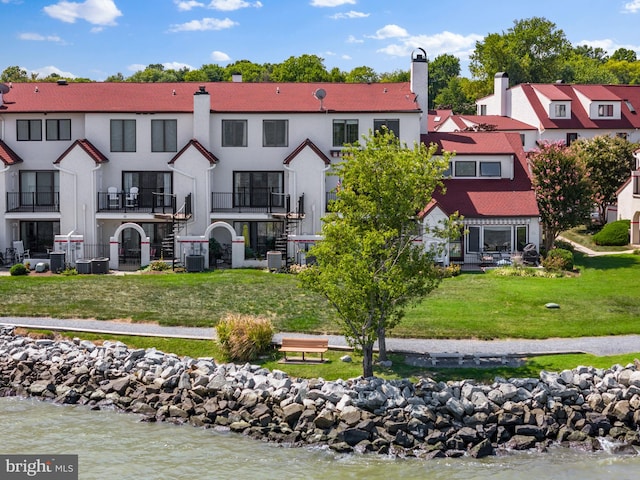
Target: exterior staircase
<point>178,219</point>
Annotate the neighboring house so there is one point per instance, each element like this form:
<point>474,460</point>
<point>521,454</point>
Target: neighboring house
<point>629,202</point>
<point>565,112</point>
<point>134,171</point>
<point>488,184</point>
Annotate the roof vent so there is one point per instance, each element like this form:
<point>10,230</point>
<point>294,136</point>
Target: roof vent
<point>62,82</point>
<point>559,81</point>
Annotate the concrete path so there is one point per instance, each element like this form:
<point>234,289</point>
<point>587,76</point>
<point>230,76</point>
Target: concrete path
<point>595,345</point>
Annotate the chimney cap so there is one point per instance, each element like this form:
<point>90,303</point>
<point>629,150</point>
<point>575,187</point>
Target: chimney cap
<point>419,55</point>
<point>202,90</point>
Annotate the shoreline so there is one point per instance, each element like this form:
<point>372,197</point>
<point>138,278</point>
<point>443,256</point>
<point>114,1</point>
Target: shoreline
<point>426,419</point>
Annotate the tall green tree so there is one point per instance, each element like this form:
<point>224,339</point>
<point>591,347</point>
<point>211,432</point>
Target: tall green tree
<point>562,187</point>
<point>251,72</point>
<point>455,97</point>
<point>442,69</point>
<point>369,265</point>
<point>533,50</point>
<point>609,161</point>
<point>14,74</point>
<point>305,68</point>
<point>362,75</point>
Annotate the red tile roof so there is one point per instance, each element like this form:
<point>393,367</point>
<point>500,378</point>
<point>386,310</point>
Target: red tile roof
<point>501,123</point>
<point>551,92</point>
<point>88,147</point>
<point>8,156</point>
<point>225,97</point>
<point>486,197</point>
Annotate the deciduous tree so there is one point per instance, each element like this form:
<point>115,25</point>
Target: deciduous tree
<point>370,266</point>
<point>562,187</point>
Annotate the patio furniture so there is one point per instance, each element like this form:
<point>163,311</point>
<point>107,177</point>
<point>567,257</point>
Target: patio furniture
<point>132,197</point>
<point>20,252</point>
<point>114,200</point>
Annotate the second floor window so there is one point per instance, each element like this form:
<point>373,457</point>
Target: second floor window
<point>123,135</point>
<point>58,129</point>
<point>234,133</point>
<point>275,133</point>
<point>605,110</point>
<point>490,169</point>
<point>39,187</point>
<point>164,135</point>
<point>465,169</point>
<point>344,131</point>
<point>258,189</point>
<point>392,124</point>
<point>29,130</point>
<point>560,111</point>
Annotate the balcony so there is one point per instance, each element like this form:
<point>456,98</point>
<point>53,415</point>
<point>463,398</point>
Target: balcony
<point>261,200</point>
<point>33,201</point>
<point>137,200</point>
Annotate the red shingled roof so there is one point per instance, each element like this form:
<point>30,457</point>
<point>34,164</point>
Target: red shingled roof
<point>225,97</point>
<point>500,122</point>
<point>301,147</point>
<point>8,156</point>
<point>88,147</point>
<point>486,197</point>
<point>198,146</point>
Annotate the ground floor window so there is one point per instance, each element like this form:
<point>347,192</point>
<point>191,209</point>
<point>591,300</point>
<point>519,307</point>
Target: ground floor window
<point>493,238</point>
<point>259,237</point>
<point>38,236</point>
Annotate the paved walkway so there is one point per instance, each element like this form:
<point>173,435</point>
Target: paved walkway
<point>595,345</point>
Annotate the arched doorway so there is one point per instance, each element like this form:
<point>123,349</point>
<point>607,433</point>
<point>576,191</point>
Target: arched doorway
<point>229,251</point>
<point>635,229</point>
<point>129,248</point>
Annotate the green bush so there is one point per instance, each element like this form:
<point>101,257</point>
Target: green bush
<point>244,337</point>
<point>614,233</point>
<point>564,245</point>
<point>452,270</point>
<point>558,259</point>
<point>159,265</point>
<point>18,269</point>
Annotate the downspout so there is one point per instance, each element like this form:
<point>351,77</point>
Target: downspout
<point>94,189</point>
<point>208,187</point>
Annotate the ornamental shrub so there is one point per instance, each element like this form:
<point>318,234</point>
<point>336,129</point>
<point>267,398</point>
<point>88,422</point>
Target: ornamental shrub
<point>18,269</point>
<point>614,233</point>
<point>244,337</point>
<point>558,259</point>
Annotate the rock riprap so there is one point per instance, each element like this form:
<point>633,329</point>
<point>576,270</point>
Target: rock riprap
<point>427,419</point>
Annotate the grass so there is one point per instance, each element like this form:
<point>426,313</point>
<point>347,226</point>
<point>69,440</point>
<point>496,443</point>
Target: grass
<point>584,236</point>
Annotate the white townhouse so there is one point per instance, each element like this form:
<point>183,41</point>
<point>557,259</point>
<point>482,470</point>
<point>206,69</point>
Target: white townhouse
<point>134,172</point>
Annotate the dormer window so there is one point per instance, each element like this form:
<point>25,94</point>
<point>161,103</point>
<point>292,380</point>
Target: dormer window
<point>560,110</point>
<point>605,110</point>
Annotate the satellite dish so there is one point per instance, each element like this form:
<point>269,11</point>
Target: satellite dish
<point>320,93</point>
<point>4,88</point>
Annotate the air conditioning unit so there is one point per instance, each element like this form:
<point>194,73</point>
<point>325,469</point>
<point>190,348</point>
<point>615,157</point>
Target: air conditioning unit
<point>274,260</point>
<point>194,263</point>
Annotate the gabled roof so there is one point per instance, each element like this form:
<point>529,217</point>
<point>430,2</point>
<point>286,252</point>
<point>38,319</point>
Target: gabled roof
<point>551,92</point>
<point>224,97</point>
<point>501,123</point>
<point>301,147</point>
<point>88,147</point>
<point>8,156</point>
<point>579,116</point>
<point>198,146</point>
<point>486,197</point>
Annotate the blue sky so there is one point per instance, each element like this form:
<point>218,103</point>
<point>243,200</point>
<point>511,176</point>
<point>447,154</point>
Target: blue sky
<point>98,38</point>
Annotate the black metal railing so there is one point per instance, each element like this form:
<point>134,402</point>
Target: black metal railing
<point>145,200</point>
<point>253,200</point>
<point>41,201</point>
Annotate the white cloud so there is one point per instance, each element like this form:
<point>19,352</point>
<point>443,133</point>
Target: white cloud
<point>349,14</point>
<point>40,38</point>
<point>390,31</point>
<point>176,66</point>
<point>609,45</point>
<point>220,56</point>
<point>352,39</point>
<point>230,5</point>
<point>331,3</point>
<point>97,12</point>
<point>203,25</point>
<point>136,67</point>
<point>185,6</point>
<point>632,7</point>
<point>346,57</point>
<point>446,42</point>
<point>48,70</point>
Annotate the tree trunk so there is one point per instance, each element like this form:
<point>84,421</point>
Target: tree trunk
<point>367,360</point>
<point>382,344</point>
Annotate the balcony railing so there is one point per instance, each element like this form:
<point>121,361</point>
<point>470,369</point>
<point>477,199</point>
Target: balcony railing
<point>145,201</point>
<point>33,201</point>
<point>254,200</point>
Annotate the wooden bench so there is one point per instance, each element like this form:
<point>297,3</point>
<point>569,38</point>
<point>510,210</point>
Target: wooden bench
<point>304,345</point>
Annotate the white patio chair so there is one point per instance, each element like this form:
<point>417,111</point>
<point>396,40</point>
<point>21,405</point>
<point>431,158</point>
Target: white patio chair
<point>20,252</point>
<point>132,197</point>
<point>114,201</point>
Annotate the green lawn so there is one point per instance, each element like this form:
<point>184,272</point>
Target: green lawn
<point>603,299</point>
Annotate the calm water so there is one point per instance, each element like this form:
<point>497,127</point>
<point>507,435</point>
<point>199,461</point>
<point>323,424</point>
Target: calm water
<point>117,446</point>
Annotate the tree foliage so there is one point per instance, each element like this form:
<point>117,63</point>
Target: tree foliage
<point>609,161</point>
<point>562,188</point>
<point>14,74</point>
<point>369,265</point>
<point>305,68</point>
<point>442,70</point>
<point>533,50</point>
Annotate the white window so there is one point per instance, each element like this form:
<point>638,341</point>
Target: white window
<point>344,131</point>
<point>275,133</point>
<point>605,110</point>
<point>234,133</point>
<point>164,135</point>
<point>123,135</point>
<point>483,109</point>
<point>29,130</point>
<point>465,169</point>
<point>560,110</point>
<point>490,169</point>
<point>58,129</point>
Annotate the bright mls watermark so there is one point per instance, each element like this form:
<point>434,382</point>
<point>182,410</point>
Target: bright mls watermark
<point>50,467</point>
